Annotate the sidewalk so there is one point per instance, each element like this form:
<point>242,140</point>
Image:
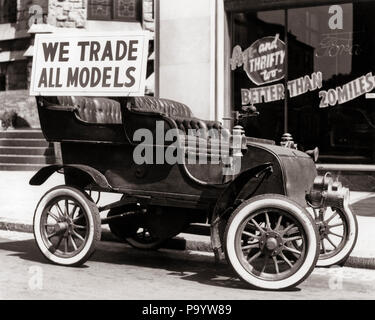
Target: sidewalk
<point>18,200</point>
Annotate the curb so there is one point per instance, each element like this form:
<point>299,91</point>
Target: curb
<point>181,243</point>
<point>16,226</point>
<point>177,243</point>
<point>360,262</point>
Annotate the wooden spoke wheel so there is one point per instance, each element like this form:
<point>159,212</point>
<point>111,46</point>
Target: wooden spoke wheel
<point>66,226</point>
<point>338,234</point>
<point>133,229</point>
<point>258,240</point>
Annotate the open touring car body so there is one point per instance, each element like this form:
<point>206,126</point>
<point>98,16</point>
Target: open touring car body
<point>98,142</point>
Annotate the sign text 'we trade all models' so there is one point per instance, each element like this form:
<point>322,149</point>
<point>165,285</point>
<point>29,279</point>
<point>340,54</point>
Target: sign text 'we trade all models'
<point>90,64</point>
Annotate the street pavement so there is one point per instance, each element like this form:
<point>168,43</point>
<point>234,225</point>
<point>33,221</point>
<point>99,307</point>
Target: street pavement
<point>117,271</point>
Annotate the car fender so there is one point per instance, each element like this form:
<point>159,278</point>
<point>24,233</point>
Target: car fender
<point>88,173</point>
<point>227,200</point>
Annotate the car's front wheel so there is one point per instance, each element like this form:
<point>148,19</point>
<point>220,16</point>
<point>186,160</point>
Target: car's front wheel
<point>258,239</point>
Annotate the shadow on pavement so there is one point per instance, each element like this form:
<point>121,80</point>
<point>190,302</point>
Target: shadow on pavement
<point>185,265</point>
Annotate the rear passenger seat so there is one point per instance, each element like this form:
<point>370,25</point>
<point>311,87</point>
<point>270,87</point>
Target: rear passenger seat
<point>91,109</point>
<point>108,111</point>
<point>180,113</point>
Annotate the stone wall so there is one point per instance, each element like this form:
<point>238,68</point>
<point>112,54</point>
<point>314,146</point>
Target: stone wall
<point>73,13</point>
<point>21,102</point>
<point>148,15</point>
<point>67,13</point>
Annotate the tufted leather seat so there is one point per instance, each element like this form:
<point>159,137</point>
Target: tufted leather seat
<point>179,112</point>
<point>168,107</point>
<point>106,110</point>
<point>86,109</point>
<point>91,109</point>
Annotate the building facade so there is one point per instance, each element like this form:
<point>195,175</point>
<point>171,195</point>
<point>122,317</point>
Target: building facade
<point>307,66</point>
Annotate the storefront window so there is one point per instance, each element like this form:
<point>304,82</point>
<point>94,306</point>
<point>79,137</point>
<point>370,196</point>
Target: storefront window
<point>330,70</point>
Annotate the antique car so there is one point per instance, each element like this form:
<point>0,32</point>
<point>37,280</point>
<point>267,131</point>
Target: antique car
<point>270,215</point>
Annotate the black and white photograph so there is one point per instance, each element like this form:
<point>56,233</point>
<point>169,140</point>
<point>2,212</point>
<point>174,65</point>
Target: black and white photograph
<point>200,152</point>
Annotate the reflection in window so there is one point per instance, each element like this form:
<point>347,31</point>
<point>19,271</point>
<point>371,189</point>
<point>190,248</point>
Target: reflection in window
<point>345,131</point>
<point>310,26</point>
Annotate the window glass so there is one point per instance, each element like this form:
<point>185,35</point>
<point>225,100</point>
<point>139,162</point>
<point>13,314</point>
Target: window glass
<point>120,10</point>
<point>338,118</point>
<point>248,28</point>
<point>336,43</point>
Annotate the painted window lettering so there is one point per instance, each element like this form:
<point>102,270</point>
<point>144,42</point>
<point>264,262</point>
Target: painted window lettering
<point>275,92</point>
<point>263,61</point>
<point>348,91</point>
<point>337,44</point>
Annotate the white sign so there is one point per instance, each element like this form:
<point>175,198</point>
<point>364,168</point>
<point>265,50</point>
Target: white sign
<point>90,64</point>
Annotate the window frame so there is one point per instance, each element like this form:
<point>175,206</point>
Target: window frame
<point>114,16</point>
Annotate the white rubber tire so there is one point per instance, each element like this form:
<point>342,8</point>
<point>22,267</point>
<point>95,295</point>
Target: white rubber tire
<point>351,240</point>
<point>94,225</point>
<point>298,212</point>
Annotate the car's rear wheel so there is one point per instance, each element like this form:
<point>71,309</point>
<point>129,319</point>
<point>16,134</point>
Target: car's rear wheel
<point>67,226</point>
<point>257,242</point>
<point>133,229</point>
